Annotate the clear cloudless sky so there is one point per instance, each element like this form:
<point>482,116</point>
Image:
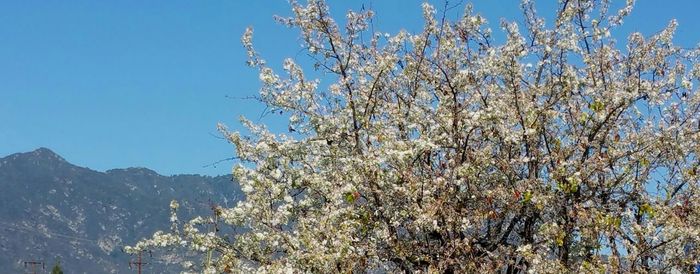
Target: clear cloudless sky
<point>112,84</point>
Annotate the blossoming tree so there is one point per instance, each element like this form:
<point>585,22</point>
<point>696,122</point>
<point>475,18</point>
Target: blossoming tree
<point>558,150</point>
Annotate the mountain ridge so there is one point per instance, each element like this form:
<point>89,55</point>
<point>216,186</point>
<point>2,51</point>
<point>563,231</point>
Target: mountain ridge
<point>51,209</point>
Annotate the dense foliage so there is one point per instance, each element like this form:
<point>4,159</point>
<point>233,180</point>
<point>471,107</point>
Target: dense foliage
<point>57,269</point>
<point>558,150</point>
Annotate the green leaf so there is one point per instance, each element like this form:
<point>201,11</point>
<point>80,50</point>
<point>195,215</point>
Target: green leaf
<point>644,162</point>
<point>574,186</point>
<point>584,117</point>
<point>349,197</point>
<point>647,209</point>
<point>597,106</point>
<point>560,238</point>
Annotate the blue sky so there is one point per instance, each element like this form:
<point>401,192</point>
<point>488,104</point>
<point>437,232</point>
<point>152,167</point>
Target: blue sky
<point>110,84</point>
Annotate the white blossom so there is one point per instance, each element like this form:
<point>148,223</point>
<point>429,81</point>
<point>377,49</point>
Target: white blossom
<point>560,150</point>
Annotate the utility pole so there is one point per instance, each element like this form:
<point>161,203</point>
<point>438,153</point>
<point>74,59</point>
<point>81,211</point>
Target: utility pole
<point>137,263</point>
<point>213,227</point>
<point>34,265</point>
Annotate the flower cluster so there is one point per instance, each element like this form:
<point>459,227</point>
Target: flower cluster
<point>556,151</point>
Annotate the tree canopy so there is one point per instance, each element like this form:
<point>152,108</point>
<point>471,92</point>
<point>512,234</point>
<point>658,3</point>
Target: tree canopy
<point>57,269</point>
<point>559,149</point>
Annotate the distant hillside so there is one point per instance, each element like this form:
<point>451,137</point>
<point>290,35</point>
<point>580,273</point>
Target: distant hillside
<point>51,209</point>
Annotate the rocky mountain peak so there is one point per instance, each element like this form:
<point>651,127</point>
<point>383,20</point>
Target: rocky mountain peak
<point>41,157</point>
<point>46,154</point>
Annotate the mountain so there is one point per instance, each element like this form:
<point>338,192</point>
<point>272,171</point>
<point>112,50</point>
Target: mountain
<point>53,210</point>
